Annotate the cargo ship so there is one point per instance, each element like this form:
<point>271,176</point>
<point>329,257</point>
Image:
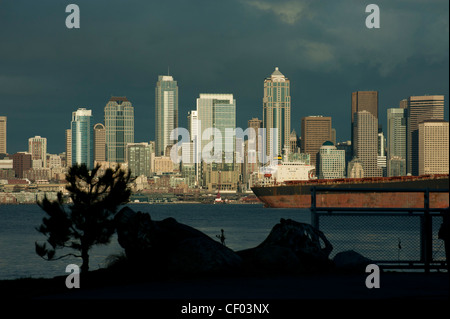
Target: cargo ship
<point>277,190</point>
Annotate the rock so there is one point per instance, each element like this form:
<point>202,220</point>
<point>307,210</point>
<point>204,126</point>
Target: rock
<point>351,261</point>
<point>291,246</point>
<point>202,255</point>
<point>172,246</point>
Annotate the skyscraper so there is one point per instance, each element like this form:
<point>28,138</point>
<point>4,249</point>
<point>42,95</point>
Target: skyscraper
<point>194,156</point>
<point>277,112</point>
<point>138,158</point>
<point>365,146</point>
<point>217,111</point>
<point>2,134</point>
<point>166,112</point>
<point>419,109</point>
<point>315,131</point>
<point>433,147</point>
<point>99,142</point>
<point>396,141</point>
<point>119,127</point>
<point>37,146</point>
<point>364,101</point>
<point>82,144</point>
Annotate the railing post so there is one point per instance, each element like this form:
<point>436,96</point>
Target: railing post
<point>427,228</point>
<point>314,217</point>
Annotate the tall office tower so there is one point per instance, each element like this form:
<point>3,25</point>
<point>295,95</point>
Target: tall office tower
<point>277,112</point>
<point>119,127</point>
<point>420,108</point>
<point>68,147</point>
<point>315,131</point>
<point>166,112</point>
<point>365,146</point>
<point>22,162</point>
<point>138,158</point>
<point>3,135</point>
<point>99,142</point>
<point>217,111</point>
<point>331,162</point>
<point>194,134</point>
<point>37,146</point>
<point>396,141</point>
<point>82,144</point>
<point>433,147</point>
<point>364,101</point>
<point>194,157</point>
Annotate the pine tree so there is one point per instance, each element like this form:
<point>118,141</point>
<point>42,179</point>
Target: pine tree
<point>89,219</point>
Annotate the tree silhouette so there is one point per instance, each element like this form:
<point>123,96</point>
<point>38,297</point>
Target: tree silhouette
<point>88,220</point>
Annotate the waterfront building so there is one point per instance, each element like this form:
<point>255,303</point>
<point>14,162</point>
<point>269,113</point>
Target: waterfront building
<point>3,120</point>
<point>119,127</point>
<point>82,144</point>
<point>166,112</point>
<point>99,142</point>
<point>22,161</point>
<point>330,162</point>
<point>277,112</point>
<point>365,145</point>
<point>37,146</point>
<point>419,109</point>
<point>433,147</point>
<point>6,168</point>
<point>316,130</point>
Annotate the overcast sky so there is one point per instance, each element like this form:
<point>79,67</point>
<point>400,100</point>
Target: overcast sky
<point>47,71</point>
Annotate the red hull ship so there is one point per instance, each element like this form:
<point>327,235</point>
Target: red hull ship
<point>297,194</point>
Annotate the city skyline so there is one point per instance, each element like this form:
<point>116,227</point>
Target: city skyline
<point>214,47</point>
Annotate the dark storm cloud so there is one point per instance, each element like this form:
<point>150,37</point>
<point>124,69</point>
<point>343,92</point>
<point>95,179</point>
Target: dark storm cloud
<point>47,71</point>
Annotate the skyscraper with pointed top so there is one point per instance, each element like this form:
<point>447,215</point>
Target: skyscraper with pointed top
<point>277,112</point>
<point>166,112</point>
<point>119,127</point>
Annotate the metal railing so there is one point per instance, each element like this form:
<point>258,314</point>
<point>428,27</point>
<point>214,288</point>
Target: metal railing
<point>425,214</point>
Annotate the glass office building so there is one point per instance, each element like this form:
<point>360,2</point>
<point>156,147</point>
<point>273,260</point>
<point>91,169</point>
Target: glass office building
<point>82,142</point>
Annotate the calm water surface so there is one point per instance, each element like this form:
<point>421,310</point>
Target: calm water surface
<point>245,226</point>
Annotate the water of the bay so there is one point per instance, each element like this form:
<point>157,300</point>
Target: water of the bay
<point>245,226</point>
